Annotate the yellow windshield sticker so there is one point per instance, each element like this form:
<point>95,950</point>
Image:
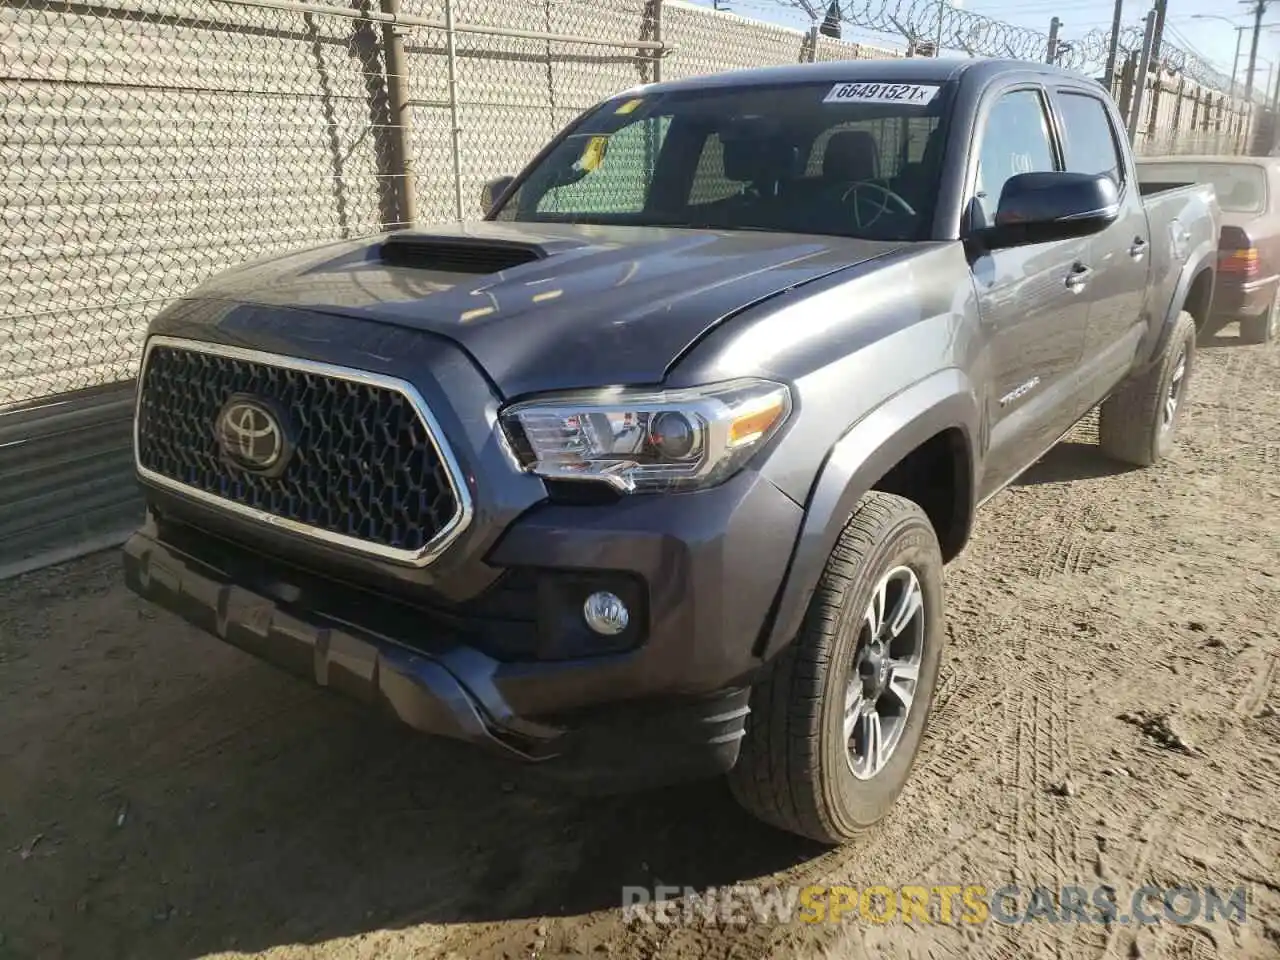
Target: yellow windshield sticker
<point>593,154</point>
<point>629,106</point>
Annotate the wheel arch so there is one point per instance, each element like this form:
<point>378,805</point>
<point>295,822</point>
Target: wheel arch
<point>897,448</point>
<point>1193,292</point>
<point>1199,297</point>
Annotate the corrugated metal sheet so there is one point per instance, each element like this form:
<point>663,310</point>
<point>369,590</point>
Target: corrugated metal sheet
<point>66,477</point>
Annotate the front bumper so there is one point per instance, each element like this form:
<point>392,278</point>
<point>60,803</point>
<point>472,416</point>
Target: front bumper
<point>487,643</point>
<point>453,692</point>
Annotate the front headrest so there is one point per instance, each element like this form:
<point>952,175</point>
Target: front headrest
<point>759,159</point>
<point>851,155</point>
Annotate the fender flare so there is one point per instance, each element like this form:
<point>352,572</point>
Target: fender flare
<point>1202,258</point>
<point>861,457</point>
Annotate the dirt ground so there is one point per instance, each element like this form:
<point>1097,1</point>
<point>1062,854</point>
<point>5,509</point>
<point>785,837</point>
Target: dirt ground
<point>162,795</point>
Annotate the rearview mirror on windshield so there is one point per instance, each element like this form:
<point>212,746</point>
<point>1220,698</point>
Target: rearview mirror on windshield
<point>1039,207</point>
<point>491,191</point>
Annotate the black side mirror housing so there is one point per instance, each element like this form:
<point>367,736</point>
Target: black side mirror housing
<point>1040,207</point>
<point>491,191</point>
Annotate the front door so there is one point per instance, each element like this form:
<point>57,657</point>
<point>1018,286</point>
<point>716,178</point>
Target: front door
<point>1033,299</point>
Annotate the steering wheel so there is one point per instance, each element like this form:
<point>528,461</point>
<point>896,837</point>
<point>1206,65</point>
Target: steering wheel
<point>888,198</point>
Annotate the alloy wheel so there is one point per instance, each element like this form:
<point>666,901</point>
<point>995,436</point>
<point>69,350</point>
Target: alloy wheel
<point>1173,398</point>
<point>885,672</point>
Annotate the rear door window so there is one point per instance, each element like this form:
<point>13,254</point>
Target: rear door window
<point>1089,140</point>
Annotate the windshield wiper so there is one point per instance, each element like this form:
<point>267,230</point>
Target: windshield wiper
<point>687,225</point>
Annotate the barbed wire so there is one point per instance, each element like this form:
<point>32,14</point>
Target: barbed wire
<point>929,21</point>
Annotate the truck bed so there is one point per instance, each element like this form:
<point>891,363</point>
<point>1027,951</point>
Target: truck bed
<point>1176,215</point>
<point>1152,187</point>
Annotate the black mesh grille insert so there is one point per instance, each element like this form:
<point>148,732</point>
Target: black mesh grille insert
<point>362,463</point>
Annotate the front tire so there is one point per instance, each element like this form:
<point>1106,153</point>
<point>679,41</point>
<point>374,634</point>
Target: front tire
<point>814,762</point>
<point>1263,328</point>
<point>1138,424</point>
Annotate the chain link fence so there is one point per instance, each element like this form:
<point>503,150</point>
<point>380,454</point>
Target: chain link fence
<point>1178,116</point>
<point>146,145</point>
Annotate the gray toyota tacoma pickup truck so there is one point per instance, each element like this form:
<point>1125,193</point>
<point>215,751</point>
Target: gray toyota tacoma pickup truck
<point>651,473</point>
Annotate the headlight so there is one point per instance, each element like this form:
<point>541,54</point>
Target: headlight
<point>644,440</point>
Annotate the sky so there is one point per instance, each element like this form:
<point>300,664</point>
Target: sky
<point>1213,39</point>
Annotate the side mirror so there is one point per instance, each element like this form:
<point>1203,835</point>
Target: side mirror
<point>1039,207</point>
<point>491,191</point>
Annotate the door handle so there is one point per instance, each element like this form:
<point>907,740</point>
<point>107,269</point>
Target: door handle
<point>1138,249</point>
<point>1078,278</point>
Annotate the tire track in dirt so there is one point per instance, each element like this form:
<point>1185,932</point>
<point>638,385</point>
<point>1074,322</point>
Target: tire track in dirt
<point>1260,688</point>
<point>1058,851</point>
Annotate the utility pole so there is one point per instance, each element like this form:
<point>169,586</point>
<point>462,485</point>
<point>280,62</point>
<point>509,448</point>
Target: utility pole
<point>1275,102</point>
<point>937,46</point>
<point>1109,77</point>
<point>1235,63</point>
<point>1259,8</point>
<point>1051,54</point>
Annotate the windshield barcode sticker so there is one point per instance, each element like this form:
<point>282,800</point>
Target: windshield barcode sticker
<point>912,94</point>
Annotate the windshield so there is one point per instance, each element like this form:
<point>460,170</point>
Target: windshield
<point>1241,187</point>
<point>847,159</point>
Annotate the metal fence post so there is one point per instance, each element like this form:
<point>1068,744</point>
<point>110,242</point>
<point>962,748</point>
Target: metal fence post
<point>398,91</point>
<point>455,129</point>
<point>1051,53</point>
<point>1113,48</point>
<point>811,54</point>
<point>1127,74</point>
<point>660,53</point>
<point>648,60</point>
<point>1176,126</point>
<point>1140,81</point>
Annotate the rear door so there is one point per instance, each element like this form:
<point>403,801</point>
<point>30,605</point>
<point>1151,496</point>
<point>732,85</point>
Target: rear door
<point>1029,296</point>
<point>1119,255</point>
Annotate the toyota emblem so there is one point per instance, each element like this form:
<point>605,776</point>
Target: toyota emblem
<point>251,435</point>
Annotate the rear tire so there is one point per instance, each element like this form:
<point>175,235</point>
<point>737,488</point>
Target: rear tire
<point>810,729</point>
<point>1263,328</point>
<point>1139,423</point>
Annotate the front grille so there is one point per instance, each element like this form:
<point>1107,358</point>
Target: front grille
<point>364,468</point>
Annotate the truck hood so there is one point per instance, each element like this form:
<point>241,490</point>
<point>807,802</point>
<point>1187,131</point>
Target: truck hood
<point>588,306</point>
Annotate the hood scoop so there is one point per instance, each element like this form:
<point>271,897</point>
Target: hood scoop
<point>473,255</point>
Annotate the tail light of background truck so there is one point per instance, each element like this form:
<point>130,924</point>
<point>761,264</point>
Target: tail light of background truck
<point>1237,256</point>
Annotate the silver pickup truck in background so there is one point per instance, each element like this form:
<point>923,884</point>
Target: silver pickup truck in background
<point>652,473</point>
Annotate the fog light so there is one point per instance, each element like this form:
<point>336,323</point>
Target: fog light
<point>605,613</point>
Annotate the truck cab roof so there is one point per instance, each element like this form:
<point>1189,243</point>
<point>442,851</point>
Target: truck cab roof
<point>899,70</point>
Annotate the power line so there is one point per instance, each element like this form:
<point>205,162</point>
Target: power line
<point>923,22</point>
<point>1182,39</point>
